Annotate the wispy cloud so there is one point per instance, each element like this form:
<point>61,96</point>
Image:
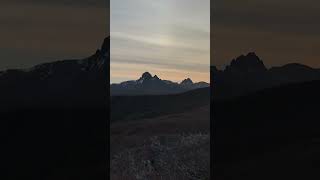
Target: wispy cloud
<point>169,35</point>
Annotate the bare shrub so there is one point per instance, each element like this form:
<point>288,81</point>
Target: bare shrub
<point>185,156</point>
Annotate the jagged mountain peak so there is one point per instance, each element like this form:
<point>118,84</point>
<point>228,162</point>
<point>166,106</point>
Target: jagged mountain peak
<point>251,59</point>
<point>252,54</point>
<point>248,63</point>
<point>146,75</point>
<point>99,60</point>
<point>187,81</point>
<point>105,46</point>
<point>148,84</point>
<point>155,77</point>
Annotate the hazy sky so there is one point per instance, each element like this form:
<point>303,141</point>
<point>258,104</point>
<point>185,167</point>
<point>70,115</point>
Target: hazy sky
<point>169,38</point>
<point>279,31</point>
<point>37,31</point>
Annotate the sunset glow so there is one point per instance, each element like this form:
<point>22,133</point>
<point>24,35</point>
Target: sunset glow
<point>169,38</point>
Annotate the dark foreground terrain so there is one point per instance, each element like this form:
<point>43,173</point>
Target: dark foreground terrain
<point>54,119</point>
<point>55,143</point>
<point>270,134</point>
<point>161,137</point>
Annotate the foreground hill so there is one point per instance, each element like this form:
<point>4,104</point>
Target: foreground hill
<point>270,134</point>
<point>138,107</point>
<point>161,136</point>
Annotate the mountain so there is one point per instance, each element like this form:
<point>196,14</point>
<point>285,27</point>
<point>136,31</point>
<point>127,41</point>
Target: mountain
<point>247,74</point>
<point>77,82</point>
<point>265,120</point>
<point>153,85</point>
<point>187,82</point>
<point>268,134</point>
<point>250,63</point>
<point>54,117</point>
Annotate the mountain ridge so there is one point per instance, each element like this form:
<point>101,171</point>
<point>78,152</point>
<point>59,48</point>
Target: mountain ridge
<point>153,85</point>
<point>247,74</point>
<point>71,83</point>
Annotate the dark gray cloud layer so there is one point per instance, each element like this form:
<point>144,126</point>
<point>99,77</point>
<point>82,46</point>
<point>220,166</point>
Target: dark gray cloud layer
<point>34,31</point>
<point>72,3</point>
<point>279,31</point>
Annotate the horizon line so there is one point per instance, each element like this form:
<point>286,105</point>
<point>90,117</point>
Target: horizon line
<point>159,78</point>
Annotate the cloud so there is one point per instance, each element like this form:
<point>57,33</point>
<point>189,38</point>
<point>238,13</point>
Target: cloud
<point>172,35</point>
<point>121,73</point>
<point>64,3</point>
<point>170,65</point>
<point>281,31</point>
<point>33,32</point>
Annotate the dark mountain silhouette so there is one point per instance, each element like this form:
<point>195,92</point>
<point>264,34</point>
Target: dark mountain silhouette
<point>153,85</point>
<point>268,134</point>
<point>54,119</point>
<point>247,74</point>
<point>187,81</point>
<point>265,121</point>
<point>63,83</point>
<point>250,63</point>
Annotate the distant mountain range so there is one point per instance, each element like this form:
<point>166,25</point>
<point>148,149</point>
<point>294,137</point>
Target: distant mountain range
<point>247,74</point>
<point>79,82</point>
<point>153,85</point>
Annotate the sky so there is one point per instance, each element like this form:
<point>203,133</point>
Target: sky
<point>169,38</point>
<point>280,32</point>
<point>38,31</point>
